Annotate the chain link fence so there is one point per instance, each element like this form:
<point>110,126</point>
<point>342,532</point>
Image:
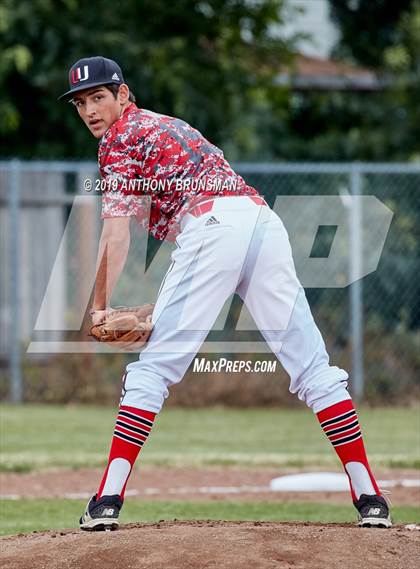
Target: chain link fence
<point>50,228</point>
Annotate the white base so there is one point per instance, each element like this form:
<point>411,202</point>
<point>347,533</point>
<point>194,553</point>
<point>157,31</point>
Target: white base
<point>311,482</point>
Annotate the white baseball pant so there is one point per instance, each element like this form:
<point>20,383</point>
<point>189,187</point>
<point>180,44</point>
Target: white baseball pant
<point>245,250</point>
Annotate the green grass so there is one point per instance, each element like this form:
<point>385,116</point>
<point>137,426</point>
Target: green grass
<point>48,436</point>
<point>24,516</point>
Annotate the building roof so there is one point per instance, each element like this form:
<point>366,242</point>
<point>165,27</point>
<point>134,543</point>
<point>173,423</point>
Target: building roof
<point>308,73</point>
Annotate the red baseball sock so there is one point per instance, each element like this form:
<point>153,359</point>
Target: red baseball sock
<point>341,425</point>
<point>131,431</point>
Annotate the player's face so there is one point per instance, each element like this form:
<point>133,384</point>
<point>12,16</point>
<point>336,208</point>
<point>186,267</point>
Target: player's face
<point>99,109</point>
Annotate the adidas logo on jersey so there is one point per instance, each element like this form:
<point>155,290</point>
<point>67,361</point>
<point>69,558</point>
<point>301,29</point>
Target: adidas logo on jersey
<point>211,221</point>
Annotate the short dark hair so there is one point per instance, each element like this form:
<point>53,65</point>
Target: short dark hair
<point>114,88</point>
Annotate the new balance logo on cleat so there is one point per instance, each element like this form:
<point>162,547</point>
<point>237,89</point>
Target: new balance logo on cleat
<point>108,512</point>
<point>211,221</point>
<point>374,511</point>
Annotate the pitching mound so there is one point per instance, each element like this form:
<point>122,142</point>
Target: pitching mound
<point>225,545</point>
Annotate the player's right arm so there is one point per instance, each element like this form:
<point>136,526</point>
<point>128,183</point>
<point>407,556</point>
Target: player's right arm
<point>118,206</point>
<point>112,255</point>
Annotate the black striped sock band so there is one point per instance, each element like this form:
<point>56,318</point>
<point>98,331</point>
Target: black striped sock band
<point>339,418</point>
<point>127,438</point>
<point>348,439</point>
<point>132,428</point>
<point>342,429</point>
<point>142,420</point>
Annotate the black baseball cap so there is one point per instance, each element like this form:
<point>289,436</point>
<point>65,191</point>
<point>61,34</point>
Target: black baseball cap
<point>91,72</point>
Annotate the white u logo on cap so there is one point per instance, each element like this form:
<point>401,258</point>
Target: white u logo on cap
<point>76,74</point>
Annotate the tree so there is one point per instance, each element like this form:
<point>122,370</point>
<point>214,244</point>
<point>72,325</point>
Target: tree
<point>347,125</point>
<point>367,28</point>
<point>403,62</point>
<point>210,62</point>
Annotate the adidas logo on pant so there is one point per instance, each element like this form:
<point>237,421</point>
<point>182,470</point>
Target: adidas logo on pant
<point>211,221</point>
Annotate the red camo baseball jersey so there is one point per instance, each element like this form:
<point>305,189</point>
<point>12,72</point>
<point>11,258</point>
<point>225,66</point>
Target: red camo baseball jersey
<point>149,154</point>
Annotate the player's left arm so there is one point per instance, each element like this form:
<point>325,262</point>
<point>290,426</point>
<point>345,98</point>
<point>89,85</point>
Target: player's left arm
<point>114,245</point>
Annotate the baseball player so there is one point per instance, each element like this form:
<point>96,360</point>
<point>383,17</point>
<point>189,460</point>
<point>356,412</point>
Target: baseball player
<point>227,240</point>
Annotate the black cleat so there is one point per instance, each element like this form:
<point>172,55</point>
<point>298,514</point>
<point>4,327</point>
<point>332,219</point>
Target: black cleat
<point>373,512</point>
<point>102,514</point>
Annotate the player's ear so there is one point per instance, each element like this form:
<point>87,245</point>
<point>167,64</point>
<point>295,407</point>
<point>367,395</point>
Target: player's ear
<point>123,94</point>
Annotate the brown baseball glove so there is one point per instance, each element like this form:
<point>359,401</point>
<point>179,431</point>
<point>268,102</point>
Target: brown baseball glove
<point>125,327</point>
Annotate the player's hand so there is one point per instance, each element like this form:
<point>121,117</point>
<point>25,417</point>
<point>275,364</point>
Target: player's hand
<point>98,316</point>
<point>124,328</point>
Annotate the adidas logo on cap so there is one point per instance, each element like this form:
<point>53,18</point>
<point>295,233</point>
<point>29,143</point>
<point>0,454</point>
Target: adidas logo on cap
<point>115,77</point>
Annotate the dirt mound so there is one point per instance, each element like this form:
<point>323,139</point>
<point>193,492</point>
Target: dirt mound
<point>225,545</point>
